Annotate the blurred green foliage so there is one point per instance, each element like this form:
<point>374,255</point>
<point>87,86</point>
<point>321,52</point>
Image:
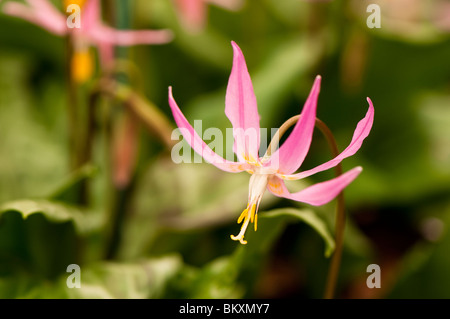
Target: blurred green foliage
<point>174,237</point>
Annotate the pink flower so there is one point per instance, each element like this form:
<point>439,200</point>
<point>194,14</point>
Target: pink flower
<point>93,32</point>
<point>270,173</point>
<point>193,13</point>
<point>442,15</point>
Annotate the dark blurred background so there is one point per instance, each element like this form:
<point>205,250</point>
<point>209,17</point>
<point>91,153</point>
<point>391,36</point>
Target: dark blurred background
<point>177,220</point>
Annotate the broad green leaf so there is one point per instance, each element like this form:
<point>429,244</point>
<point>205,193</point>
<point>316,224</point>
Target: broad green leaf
<point>40,238</point>
<point>67,191</point>
<point>33,157</point>
<point>53,211</point>
<point>310,218</point>
<point>138,280</point>
<point>215,280</point>
<point>147,278</point>
<point>23,286</point>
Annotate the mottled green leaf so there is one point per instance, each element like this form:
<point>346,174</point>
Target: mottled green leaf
<point>310,218</point>
<point>138,280</point>
<point>183,197</point>
<point>53,211</point>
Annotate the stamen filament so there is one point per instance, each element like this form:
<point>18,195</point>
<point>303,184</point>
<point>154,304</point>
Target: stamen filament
<point>248,216</point>
<point>252,212</point>
<point>240,236</point>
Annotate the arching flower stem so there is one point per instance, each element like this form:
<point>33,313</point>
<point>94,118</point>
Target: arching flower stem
<point>333,271</point>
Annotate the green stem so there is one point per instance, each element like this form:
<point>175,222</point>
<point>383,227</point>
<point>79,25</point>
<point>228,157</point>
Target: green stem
<point>72,110</point>
<point>333,271</point>
<point>73,117</point>
<point>155,121</point>
<point>120,205</point>
<point>147,112</point>
<point>119,15</point>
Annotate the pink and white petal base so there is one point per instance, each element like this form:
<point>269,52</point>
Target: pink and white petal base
<point>198,145</point>
<point>361,132</point>
<point>317,194</point>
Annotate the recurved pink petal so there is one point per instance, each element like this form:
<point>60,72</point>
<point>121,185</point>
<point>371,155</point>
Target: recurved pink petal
<point>291,154</point>
<point>39,12</point>
<point>91,15</point>
<point>361,132</point>
<point>317,194</point>
<point>198,145</point>
<point>106,53</point>
<point>102,33</point>
<point>241,108</point>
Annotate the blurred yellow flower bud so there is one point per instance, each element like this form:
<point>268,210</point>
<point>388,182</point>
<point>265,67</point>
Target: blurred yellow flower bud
<point>80,3</point>
<point>82,65</point>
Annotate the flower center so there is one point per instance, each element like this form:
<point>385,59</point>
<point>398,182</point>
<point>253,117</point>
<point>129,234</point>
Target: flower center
<point>257,187</point>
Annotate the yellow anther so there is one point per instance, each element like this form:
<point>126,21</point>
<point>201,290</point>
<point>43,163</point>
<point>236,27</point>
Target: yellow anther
<point>246,216</point>
<point>244,213</point>
<point>256,222</point>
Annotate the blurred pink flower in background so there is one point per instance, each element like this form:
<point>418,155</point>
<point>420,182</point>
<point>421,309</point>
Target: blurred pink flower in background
<point>409,18</point>
<point>442,15</point>
<point>193,13</point>
<point>93,32</point>
<point>269,172</point>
